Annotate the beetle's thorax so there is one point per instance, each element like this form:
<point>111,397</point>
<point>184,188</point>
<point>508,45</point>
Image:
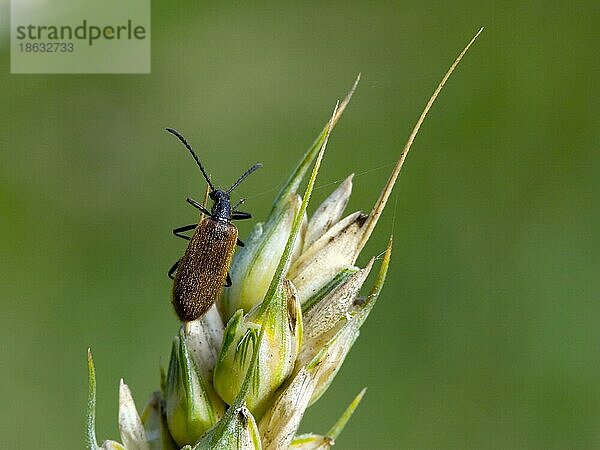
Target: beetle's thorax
<point>221,209</point>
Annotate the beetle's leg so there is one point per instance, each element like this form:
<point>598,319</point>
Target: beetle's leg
<point>240,243</point>
<point>228,282</point>
<point>177,231</point>
<point>173,269</point>
<point>240,215</point>
<point>197,205</point>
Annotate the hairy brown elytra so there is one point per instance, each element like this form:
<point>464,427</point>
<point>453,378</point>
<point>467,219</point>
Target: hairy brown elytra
<point>203,270</point>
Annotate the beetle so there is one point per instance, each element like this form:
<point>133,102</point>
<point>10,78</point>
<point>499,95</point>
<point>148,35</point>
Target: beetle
<point>203,270</point>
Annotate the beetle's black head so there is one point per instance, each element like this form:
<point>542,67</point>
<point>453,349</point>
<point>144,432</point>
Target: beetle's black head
<point>221,209</point>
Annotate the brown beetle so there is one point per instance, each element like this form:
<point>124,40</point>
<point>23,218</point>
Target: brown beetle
<point>203,270</point>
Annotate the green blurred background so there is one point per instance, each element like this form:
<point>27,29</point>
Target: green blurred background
<point>486,335</point>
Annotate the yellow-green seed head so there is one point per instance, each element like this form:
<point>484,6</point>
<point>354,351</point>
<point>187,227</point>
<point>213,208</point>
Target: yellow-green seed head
<point>253,265</point>
<point>192,406</point>
<point>293,313</point>
<point>280,345</point>
<point>239,432</point>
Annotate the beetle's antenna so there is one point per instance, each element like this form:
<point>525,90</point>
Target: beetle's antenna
<point>240,179</point>
<point>189,147</point>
